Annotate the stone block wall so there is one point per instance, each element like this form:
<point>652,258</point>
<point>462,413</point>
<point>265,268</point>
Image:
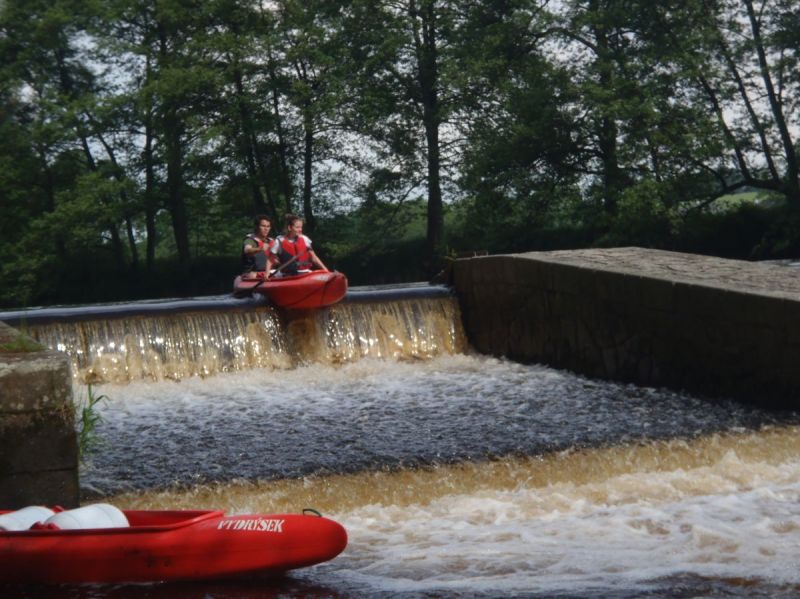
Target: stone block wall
<point>724,328</point>
<point>38,445</point>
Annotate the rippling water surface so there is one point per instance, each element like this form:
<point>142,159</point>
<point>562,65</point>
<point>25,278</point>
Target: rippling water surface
<point>374,414</point>
<point>466,476</point>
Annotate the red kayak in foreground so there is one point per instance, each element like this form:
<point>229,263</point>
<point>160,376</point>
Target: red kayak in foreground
<point>315,289</point>
<point>161,546</point>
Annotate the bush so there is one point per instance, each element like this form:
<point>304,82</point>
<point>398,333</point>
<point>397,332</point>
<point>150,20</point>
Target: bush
<point>643,218</point>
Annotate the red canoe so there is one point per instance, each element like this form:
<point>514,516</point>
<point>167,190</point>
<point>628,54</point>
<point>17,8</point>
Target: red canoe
<point>170,546</point>
<point>315,289</point>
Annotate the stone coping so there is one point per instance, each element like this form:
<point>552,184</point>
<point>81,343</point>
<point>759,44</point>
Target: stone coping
<point>721,273</point>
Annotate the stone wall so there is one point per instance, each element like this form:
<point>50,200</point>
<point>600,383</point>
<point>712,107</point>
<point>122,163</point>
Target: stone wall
<point>38,445</point>
<point>719,327</point>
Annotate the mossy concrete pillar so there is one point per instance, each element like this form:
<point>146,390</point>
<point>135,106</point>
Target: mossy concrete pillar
<point>38,444</point>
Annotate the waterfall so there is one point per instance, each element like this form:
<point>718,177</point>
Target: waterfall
<point>178,345</point>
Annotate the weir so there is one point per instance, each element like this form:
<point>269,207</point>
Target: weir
<point>723,328</point>
<point>179,339</point>
<point>175,340</point>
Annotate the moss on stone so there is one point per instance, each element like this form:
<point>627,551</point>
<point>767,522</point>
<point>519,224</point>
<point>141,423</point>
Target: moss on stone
<point>20,344</point>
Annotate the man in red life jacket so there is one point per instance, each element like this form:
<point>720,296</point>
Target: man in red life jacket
<point>292,251</point>
<point>256,256</point>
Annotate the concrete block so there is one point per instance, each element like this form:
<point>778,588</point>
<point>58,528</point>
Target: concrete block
<point>722,327</point>
<point>33,381</point>
<point>38,445</point>
<point>43,440</point>
<point>657,294</point>
<point>51,487</point>
<point>617,287</point>
<point>531,273</point>
<point>761,310</point>
<point>698,300</point>
<point>490,269</point>
<point>510,272</point>
<point>567,278</point>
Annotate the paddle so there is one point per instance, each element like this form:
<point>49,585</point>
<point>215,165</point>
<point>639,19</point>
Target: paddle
<point>279,269</point>
<point>282,266</point>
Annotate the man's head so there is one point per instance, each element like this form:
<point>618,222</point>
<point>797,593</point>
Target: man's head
<point>263,224</point>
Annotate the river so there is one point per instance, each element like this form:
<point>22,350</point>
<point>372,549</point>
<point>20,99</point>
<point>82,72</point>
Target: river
<point>455,474</point>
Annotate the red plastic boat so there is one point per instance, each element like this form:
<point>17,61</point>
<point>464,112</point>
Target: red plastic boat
<point>170,546</point>
<point>315,289</point>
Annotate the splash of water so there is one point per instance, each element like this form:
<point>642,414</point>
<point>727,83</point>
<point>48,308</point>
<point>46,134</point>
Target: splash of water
<point>181,345</point>
<point>617,521</point>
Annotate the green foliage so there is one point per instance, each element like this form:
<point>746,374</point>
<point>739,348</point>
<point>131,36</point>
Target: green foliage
<point>87,418</point>
<point>643,218</point>
<point>739,232</point>
<point>369,236</point>
<point>781,238</point>
<point>22,343</point>
<point>137,139</point>
<point>734,201</point>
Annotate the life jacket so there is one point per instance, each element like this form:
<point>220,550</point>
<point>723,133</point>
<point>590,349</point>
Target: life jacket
<point>288,249</point>
<point>255,262</point>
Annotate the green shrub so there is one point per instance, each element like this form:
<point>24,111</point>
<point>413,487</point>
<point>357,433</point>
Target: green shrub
<point>87,419</point>
<point>643,218</point>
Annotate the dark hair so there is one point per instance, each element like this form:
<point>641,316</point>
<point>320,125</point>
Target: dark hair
<point>291,219</point>
<point>258,218</point>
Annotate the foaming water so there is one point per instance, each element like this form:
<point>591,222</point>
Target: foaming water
<point>394,330</point>
<point>176,346</point>
<point>713,515</point>
<point>729,519</point>
<point>373,414</point>
<point>719,462</point>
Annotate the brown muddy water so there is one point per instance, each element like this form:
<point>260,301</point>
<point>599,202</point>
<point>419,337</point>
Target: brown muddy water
<point>455,474</point>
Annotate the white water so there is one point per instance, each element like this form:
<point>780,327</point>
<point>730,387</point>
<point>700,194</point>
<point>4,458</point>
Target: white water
<point>469,476</point>
<point>730,519</point>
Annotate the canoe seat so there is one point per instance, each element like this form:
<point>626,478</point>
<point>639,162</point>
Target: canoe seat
<point>98,515</point>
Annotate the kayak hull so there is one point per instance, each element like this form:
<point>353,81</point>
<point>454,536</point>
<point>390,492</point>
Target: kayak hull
<point>315,289</point>
<point>166,546</point>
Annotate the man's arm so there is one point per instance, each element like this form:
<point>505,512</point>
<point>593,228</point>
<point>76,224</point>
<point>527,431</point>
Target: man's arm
<point>251,246</point>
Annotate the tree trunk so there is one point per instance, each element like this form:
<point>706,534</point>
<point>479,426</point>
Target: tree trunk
<point>791,182</point>
<point>132,244</point>
<point>283,151</point>
<point>425,32</point>
<point>250,149</point>
<point>150,201</point>
<point>116,240</point>
<point>712,96</point>
<point>175,199</point>
<point>607,130</point>
<point>123,196</point>
<point>308,164</point>
<point>762,135</point>
<point>171,128</point>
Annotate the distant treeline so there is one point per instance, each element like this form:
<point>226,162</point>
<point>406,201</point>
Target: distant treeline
<point>138,138</point>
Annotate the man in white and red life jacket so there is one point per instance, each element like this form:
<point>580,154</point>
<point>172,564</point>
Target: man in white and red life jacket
<point>292,251</point>
<point>256,256</point>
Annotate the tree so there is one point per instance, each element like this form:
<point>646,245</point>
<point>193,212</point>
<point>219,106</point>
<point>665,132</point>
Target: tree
<point>727,57</point>
<point>403,52</point>
<point>52,97</point>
